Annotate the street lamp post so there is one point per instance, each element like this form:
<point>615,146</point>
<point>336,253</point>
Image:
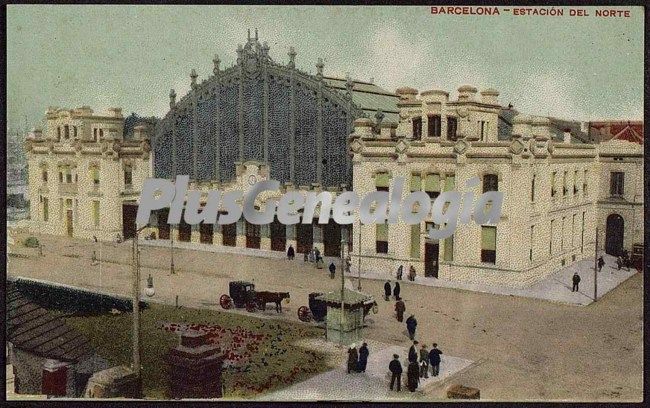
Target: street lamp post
<point>171,249</point>
<point>136,305</point>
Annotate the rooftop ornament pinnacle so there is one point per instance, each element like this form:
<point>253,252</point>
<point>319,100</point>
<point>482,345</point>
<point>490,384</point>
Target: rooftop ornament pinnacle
<point>172,98</point>
<point>379,117</point>
<point>216,61</point>
<point>349,85</point>
<point>319,68</point>
<point>292,57</point>
<point>193,77</point>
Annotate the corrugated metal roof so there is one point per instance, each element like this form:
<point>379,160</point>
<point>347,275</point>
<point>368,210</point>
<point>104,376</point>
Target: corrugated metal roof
<point>36,330</point>
<point>369,97</point>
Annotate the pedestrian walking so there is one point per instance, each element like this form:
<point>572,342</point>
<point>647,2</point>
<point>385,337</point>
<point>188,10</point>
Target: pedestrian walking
<point>411,325</point>
<point>363,358</point>
<point>387,290</point>
<point>353,358</point>
<point>291,253</point>
<point>424,362</point>
<point>317,254</point>
<point>400,308</point>
<point>413,376</point>
<point>332,270</point>
<point>396,291</point>
<point>434,359</point>
<point>400,271</point>
<point>601,263</point>
<point>413,352</point>
<point>576,281</point>
<point>395,368</point>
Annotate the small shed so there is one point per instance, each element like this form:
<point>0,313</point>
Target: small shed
<point>345,326</point>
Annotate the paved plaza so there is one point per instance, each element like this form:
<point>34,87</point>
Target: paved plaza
<point>524,348</point>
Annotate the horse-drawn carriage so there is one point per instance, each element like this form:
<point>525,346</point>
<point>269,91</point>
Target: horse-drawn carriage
<point>243,294</point>
<point>317,309</point>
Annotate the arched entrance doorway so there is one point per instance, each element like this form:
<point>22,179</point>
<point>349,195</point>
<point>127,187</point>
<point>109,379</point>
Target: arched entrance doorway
<point>614,235</point>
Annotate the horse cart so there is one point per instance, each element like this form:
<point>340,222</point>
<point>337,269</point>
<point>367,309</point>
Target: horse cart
<point>242,294</point>
<point>317,309</point>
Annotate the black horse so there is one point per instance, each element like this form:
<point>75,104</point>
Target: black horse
<point>262,298</point>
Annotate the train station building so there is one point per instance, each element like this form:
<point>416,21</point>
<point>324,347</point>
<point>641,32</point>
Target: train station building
<point>260,119</point>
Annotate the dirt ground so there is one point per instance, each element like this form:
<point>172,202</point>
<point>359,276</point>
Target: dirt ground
<point>524,349</point>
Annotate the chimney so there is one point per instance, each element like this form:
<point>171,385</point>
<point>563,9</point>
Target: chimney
<point>406,93</point>
<point>466,93</point>
<point>490,96</point>
<point>566,136</point>
<point>115,112</point>
<point>434,96</point>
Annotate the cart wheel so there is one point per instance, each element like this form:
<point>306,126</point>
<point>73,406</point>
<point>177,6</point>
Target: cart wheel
<point>304,314</point>
<point>225,301</point>
<point>251,307</point>
<point>375,309</point>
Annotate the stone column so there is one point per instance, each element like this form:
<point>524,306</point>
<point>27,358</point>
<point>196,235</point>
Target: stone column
<point>173,232</point>
<point>265,236</point>
<point>241,233</point>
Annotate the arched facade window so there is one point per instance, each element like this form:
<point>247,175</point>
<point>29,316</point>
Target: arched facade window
<point>490,182</point>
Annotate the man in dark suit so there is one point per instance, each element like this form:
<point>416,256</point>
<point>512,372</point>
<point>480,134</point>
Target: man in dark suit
<point>395,368</point>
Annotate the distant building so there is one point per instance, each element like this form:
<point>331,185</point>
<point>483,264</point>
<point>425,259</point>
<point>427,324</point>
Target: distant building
<point>602,131</point>
<point>85,173</point>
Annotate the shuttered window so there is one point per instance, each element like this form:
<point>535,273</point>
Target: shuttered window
<point>415,241</point>
<point>616,183</point>
<point>452,125</point>
<point>432,185</point>
<point>433,127</point>
<point>490,182</point>
<point>417,128</point>
<point>488,244</point>
<point>382,238</point>
<point>416,182</point>
<point>382,181</point>
<point>94,174</point>
<point>450,182</point>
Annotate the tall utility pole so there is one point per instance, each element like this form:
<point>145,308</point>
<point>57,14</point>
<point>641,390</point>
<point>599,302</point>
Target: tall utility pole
<point>596,268</point>
<point>136,305</point>
<point>171,248</point>
<point>344,243</point>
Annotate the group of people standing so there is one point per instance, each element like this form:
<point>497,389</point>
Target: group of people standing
<point>358,360</point>
<point>400,273</point>
<point>418,366</point>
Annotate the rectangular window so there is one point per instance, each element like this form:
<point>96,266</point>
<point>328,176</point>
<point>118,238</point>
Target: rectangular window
<point>575,182</point>
<point>95,134</point>
<point>433,127</point>
<point>550,244</point>
<point>382,181</point>
<point>417,128</point>
<point>46,209</point>
<point>582,235</point>
<point>60,208</point>
<point>416,182</point>
<point>66,131</point>
<point>616,183</point>
<point>68,175</point>
<point>450,182</point>
<point>573,231</point>
<point>44,176</point>
<point>584,184</point>
<point>58,134</point>
<point>481,130</point>
<point>553,175</point>
<point>448,255</point>
<point>562,235</point>
<point>532,242</point>
<point>74,131</point>
<point>565,187</point>
<point>95,175</point>
<point>432,185</point>
<point>96,213</point>
<point>128,176</point>
<point>381,240</point>
<point>489,244</point>
<point>415,241</point>
<point>452,126</point>
<point>490,182</point>
<point>532,189</point>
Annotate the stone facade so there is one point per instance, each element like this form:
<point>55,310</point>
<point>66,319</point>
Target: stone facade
<point>553,185</point>
<point>77,166</point>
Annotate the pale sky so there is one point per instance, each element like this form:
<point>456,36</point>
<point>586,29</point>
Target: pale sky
<point>582,68</point>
